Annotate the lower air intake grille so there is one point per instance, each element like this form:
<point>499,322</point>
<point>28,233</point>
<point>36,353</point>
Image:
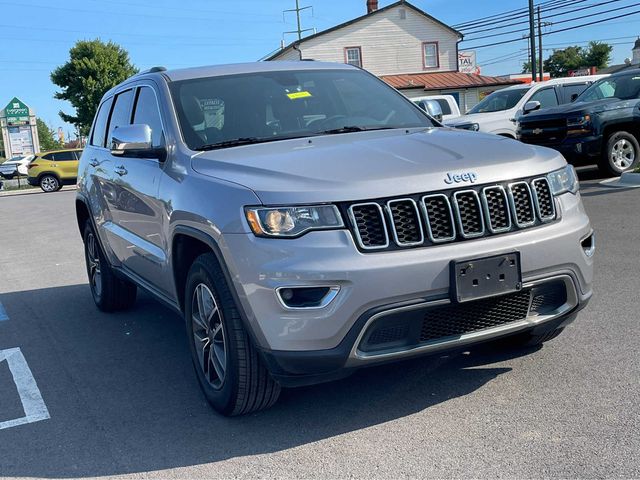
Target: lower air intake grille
<point>458,319</point>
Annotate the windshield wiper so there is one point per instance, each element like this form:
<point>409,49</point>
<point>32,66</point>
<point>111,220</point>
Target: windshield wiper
<point>236,142</point>
<point>351,128</point>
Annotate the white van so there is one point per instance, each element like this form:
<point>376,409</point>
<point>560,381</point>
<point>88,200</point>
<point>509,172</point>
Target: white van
<point>448,104</point>
<point>498,112</point>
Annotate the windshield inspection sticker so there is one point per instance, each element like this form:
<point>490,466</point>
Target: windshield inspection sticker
<point>297,95</point>
<point>32,403</point>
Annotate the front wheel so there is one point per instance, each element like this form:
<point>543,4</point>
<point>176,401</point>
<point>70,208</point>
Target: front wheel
<point>622,153</point>
<point>227,365</point>
<point>49,183</point>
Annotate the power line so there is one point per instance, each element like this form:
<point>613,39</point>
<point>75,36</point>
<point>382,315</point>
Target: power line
<point>504,42</point>
<point>297,11</point>
<point>567,4</point>
<point>560,21</point>
<point>497,15</point>
<point>587,7</point>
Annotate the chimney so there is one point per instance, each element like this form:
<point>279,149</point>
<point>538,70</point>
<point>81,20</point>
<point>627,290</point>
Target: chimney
<point>372,6</point>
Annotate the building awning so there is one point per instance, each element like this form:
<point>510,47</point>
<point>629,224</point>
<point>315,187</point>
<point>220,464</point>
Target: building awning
<point>445,80</point>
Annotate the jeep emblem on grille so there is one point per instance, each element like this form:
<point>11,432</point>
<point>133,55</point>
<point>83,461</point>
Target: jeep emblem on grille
<point>460,177</point>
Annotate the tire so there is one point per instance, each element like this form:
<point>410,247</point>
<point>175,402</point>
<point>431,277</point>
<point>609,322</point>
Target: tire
<point>621,153</point>
<point>49,183</point>
<point>229,370</point>
<point>109,292</point>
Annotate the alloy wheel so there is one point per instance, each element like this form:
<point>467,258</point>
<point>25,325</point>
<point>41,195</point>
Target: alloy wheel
<point>622,154</point>
<point>93,265</point>
<point>208,336</point>
<point>49,184</point>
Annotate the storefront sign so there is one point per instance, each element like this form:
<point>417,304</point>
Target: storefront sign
<point>467,62</point>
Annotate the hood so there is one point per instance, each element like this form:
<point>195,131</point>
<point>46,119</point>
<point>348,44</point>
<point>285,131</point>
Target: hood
<point>476,118</point>
<point>365,165</point>
<point>577,108</point>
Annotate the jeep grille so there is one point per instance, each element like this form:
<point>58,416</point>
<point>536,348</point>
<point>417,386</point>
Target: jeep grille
<point>454,215</point>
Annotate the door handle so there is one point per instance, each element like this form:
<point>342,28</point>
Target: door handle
<point>94,162</point>
<point>120,170</point>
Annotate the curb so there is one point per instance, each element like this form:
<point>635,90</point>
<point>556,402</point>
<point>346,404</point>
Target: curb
<point>626,180</point>
<point>32,191</point>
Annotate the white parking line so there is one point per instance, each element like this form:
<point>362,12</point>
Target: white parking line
<point>32,403</point>
<point>3,313</point>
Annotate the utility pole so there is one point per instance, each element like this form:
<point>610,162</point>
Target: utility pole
<point>297,11</point>
<point>540,45</point>
<point>532,38</point>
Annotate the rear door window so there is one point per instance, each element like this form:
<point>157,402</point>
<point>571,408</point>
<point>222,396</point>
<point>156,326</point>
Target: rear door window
<point>572,89</point>
<point>121,113</point>
<point>100,124</point>
<point>63,156</point>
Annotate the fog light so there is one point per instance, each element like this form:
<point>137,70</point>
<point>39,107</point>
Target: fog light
<point>589,245</point>
<point>306,297</point>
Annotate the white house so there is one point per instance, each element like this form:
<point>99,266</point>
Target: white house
<point>405,46</point>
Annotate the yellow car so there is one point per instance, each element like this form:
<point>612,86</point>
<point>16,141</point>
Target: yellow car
<point>51,170</point>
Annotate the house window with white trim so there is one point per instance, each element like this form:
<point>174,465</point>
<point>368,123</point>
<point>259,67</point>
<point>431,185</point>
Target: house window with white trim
<point>430,52</point>
<point>353,56</point>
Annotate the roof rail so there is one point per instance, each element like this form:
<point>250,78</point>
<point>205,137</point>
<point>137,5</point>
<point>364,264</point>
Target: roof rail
<point>153,70</point>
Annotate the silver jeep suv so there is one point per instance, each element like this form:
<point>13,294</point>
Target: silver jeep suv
<point>307,220</point>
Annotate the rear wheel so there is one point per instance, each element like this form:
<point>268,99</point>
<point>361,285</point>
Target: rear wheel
<point>49,183</point>
<point>227,365</point>
<point>622,153</point>
<point>109,292</point>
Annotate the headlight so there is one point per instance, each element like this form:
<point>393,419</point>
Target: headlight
<point>579,125</point>
<point>564,180</point>
<point>292,221</point>
<point>474,127</point>
<point>579,121</point>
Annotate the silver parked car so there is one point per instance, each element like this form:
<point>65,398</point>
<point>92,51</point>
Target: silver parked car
<point>304,231</point>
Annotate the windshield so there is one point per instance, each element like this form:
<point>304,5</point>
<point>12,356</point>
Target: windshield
<point>623,88</point>
<point>500,100</point>
<point>217,112</point>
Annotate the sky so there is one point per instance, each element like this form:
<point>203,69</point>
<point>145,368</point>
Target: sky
<point>36,35</point>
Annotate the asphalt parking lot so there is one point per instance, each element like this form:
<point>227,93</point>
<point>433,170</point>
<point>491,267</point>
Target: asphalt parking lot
<point>116,394</point>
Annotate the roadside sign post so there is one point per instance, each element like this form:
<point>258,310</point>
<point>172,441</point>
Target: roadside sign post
<point>18,129</point>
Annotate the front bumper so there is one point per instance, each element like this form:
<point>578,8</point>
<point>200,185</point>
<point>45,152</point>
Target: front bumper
<point>577,150</point>
<point>372,281</point>
<point>33,181</point>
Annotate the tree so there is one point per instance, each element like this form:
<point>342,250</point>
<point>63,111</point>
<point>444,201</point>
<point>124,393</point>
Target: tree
<point>93,68</point>
<point>597,54</point>
<point>46,136</point>
<point>526,67</point>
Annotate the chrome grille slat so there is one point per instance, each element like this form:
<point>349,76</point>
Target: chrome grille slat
<point>406,224</point>
<point>469,213</point>
<point>439,218</point>
<point>496,209</point>
<point>370,228</point>
<point>543,199</point>
<point>522,204</point>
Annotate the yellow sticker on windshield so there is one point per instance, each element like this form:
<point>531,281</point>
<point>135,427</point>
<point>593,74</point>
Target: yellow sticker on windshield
<point>297,95</point>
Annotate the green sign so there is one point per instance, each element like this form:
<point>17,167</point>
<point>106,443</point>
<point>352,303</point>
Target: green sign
<point>16,112</point>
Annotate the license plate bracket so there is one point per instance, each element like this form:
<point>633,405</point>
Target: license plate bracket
<point>485,277</point>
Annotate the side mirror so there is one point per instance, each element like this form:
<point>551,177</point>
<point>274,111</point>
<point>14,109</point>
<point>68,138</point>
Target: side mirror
<point>433,108</point>
<point>134,141</point>
<point>573,97</point>
<point>530,107</point>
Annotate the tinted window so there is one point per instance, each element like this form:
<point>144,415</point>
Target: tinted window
<point>500,100</point>
<point>100,124</point>
<point>121,114</point>
<point>624,88</point>
<point>48,156</point>
<point>547,97</point>
<point>276,105</point>
<point>64,156</point>
<point>573,89</point>
<point>444,105</point>
<point>147,112</point>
